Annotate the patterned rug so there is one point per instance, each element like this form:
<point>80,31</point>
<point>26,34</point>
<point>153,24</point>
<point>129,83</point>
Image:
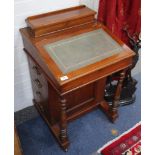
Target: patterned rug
<point>129,143</point>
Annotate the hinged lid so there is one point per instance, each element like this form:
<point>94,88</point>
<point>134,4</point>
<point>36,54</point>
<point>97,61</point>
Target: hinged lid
<point>82,50</point>
<point>53,21</point>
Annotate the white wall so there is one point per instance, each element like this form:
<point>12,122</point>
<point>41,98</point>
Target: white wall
<point>23,9</point>
<point>93,4</point>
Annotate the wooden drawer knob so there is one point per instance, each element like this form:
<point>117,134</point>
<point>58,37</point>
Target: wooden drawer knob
<point>38,83</point>
<point>38,93</point>
<point>36,70</point>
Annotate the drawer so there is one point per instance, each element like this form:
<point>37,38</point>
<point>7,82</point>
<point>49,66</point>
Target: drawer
<point>34,68</point>
<point>39,82</point>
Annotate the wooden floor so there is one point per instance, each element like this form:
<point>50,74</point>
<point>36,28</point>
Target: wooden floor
<point>17,147</point>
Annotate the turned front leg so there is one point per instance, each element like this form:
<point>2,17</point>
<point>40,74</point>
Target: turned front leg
<point>63,124</point>
<point>114,111</point>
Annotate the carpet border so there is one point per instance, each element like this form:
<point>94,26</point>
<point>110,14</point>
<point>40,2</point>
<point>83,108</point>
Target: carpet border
<point>124,133</point>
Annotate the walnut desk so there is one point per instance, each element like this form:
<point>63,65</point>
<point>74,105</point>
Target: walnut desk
<point>70,56</point>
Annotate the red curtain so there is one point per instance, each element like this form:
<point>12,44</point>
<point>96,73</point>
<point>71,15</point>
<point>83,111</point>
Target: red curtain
<point>118,14</point>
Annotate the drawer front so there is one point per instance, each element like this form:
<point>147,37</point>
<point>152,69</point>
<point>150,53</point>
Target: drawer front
<point>39,84</point>
<point>34,69</point>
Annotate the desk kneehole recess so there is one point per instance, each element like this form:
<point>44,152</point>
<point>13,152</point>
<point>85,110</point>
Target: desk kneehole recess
<point>69,66</point>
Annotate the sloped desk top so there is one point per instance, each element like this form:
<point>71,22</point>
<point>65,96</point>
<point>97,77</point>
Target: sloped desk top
<point>77,53</point>
<point>81,50</point>
<point>82,53</point>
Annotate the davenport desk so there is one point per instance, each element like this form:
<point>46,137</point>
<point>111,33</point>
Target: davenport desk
<point>70,55</point>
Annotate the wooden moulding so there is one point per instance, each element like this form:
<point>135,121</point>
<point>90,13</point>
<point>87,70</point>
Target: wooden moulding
<point>50,22</point>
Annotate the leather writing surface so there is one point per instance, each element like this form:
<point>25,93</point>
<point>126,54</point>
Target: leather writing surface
<point>81,50</point>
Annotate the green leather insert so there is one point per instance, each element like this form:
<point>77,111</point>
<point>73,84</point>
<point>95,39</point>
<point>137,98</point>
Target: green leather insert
<point>82,50</point>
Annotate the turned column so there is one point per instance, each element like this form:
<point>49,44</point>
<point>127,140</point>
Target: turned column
<point>115,104</point>
<point>63,123</point>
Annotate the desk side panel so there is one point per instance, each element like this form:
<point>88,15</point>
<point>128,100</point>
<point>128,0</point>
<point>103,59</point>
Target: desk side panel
<point>31,51</point>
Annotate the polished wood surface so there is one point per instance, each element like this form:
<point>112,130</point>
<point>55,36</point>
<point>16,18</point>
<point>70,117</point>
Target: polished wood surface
<point>60,102</point>
<point>114,61</point>
<point>17,145</point>
<point>52,21</point>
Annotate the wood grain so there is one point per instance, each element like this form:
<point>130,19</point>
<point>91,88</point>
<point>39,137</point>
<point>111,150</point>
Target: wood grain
<point>17,145</point>
<point>53,21</point>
